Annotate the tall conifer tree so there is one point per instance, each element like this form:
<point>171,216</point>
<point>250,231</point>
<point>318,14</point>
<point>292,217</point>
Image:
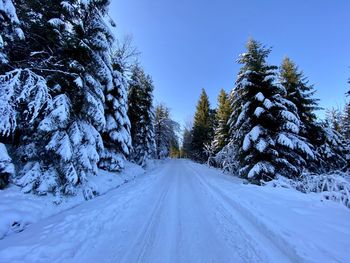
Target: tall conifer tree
<point>165,132</point>
<point>327,142</point>
<point>346,122</point>
<point>140,100</point>
<point>223,113</point>
<point>202,128</point>
<point>186,143</point>
<point>68,48</point>
<point>265,124</point>
<point>301,93</point>
<point>116,134</point>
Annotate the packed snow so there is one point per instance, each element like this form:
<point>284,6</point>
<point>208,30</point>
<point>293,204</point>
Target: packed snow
<point>180,211</point>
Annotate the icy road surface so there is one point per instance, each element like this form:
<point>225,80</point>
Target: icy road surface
<point>185,212</point>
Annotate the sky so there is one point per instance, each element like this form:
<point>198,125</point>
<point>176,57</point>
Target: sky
<point>187,45</point>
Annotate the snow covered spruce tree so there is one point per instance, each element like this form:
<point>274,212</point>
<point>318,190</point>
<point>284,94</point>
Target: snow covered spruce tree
<point>301,94</point>
<point>116,134</point>
<point>186,143</point>
<point>23,93</point>
<point>345,122</point>
<point>332,152</point>
<point>165,132</point>
<point>10,82</point>
<point>202,130</point>
<point>223,113</point>
<point>327,142</point>
<point>69,44</point>
<point>9,28</point>
<point>334,119</point>
<point>76,141</point>
<point>140,100</point>
<point>265,125</point>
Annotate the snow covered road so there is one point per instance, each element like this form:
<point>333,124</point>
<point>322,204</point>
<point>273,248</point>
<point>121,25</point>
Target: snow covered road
<point>183,212</point>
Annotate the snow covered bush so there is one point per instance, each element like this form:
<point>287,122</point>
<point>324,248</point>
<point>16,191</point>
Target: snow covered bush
<point>333,186</point>
<point>332,152</point>
<point>209,150</point>
<point>226,159</point>
<point>6,167</point>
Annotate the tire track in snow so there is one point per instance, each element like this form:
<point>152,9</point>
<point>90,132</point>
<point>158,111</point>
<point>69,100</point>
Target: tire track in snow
<point>237,243</point>
<point>234,211</point>
<point>145,238</point>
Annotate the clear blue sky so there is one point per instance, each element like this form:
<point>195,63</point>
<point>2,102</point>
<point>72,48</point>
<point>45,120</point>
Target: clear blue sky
<point>187,45</point>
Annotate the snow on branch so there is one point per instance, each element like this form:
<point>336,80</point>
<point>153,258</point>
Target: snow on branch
<point>21,87</point>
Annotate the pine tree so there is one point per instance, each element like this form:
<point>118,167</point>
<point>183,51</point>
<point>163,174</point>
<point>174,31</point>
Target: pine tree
<point>327,147</point>
<point>90,63</point>
<point>345,122</point>
<point>186,143</point>
<point>69,44</point>
<point>140,100</point>
<point>165,132</point>
<point>332,152</point>
<point>221,137</point>
<point>202,128</point>
<point>334,119</point>
<point>265,124</point>
<point>300,93</point>
<point>9,28</point>
<point>23,93</point>
<point>116,135</point>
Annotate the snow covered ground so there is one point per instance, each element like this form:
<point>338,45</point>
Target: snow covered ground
<point>185,212</point>
<point>17,210</point>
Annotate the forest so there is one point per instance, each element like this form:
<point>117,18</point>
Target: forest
<point>75,99</point>
<point>94,169</point>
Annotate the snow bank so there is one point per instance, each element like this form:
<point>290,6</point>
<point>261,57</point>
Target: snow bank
<point>305,226</point>
<point>18,210</point>
<point>333,186</point>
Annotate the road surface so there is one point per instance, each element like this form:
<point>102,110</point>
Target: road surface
<point>173,213</point>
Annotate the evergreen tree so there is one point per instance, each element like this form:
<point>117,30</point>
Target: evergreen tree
<point>9,28</point>
<point>221,137</point>
<point>301,94</point>
<point>23,93</point>
<point>67,47</point>
<point>175,150</point>
<point>334,119</point>
<point>186,143</point>
<point>265,124</point>
<point>116,135</point>
<point>202,128</point>
<point>345,122</point>
<point>140,99</point>
<point>328,151</point>
<point>332,152</point>
<point>165,132</point>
